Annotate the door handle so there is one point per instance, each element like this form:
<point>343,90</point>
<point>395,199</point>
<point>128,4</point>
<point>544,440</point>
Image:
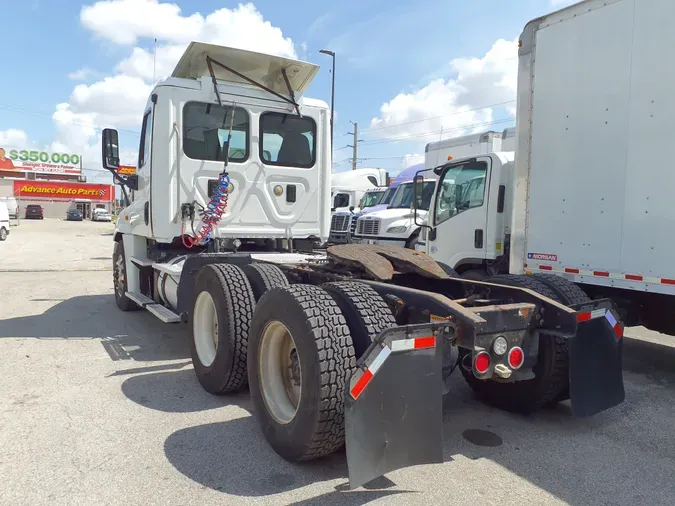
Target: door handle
<point>146,212</point>
<point>432,234</point>
<point>478,238</point>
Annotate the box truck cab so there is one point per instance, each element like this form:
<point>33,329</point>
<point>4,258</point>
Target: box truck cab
<point>468,222</point>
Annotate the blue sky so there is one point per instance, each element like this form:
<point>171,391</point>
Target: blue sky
<point>384,49</point>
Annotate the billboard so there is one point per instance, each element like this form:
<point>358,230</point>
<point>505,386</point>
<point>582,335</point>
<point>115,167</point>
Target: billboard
<point>22,160</point>
<point>53,190</point>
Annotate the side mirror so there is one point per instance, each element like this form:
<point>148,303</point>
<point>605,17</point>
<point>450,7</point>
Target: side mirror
<point>332,209</point>
<point>132,182</point>
<point>110,149</point>
<point>351,209</point>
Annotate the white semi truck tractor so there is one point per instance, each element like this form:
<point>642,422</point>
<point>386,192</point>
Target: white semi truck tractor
<point>333,345</point>
<point>585,204</point>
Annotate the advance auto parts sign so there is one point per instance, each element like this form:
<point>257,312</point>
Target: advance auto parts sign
<point>22,160</point>
<point>63,191</point>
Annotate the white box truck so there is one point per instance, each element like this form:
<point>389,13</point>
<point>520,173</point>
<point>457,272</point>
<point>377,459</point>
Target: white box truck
<point>587,199</point>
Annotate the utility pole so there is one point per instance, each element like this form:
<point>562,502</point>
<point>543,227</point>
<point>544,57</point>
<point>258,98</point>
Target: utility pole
<point>355,133</point>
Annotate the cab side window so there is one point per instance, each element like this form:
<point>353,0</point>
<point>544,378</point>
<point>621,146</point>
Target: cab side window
<point>461,188</point>
<point>146,131</point>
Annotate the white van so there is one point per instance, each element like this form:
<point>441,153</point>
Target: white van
<point>4,221</point>
<point>12,206</point>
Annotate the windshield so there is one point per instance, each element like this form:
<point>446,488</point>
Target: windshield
<point>371,199</point>
<point>404,196</point>
<point>388,195</point>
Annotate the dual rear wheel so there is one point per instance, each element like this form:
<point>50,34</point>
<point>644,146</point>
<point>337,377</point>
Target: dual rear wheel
<point>291,344</point>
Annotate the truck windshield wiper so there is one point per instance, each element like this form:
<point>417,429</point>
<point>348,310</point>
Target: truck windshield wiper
<point>210,62</point>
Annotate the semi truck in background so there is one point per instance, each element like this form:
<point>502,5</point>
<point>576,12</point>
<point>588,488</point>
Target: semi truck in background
<point>395,225</point>
<point>585,205</point>
<point>343,222</point>
<point>348,188</point>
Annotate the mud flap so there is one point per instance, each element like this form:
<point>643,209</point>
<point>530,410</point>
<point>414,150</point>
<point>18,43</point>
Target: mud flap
<point>393,408</point>
<point>596,379</point>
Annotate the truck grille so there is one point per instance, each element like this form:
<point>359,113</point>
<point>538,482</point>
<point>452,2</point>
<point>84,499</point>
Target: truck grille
<point>368,227</point>
<point>339,223</point>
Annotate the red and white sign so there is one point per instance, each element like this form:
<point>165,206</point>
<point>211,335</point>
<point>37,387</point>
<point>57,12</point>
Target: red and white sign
<point>64,191</point>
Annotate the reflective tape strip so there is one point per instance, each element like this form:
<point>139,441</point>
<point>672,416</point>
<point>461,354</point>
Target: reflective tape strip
<point>418,343</point>
<point>591,315</point>
<point>600,274</point>
<point>369,373</point>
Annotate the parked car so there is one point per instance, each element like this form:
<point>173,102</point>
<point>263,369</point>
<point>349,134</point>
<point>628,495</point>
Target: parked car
<point>4,221</point>
<point>74,215</point>
<point>101,214</point>
<point>12,206</point>
<point>34,212</point>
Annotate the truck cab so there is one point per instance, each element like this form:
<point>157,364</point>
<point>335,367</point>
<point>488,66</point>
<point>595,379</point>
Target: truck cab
<point>278,161</point>
<point>343,223</point>
<point>468,222</point>
<point>396,226</point>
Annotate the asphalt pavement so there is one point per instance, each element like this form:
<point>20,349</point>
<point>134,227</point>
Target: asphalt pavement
<point>102,407</point>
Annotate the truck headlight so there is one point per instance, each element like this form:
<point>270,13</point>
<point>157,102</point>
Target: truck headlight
<point>396,230</point>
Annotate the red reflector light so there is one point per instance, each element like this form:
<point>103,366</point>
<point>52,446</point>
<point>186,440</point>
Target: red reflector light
<point>482,362</point>
<point>425,342</point>
<point>516,357</point>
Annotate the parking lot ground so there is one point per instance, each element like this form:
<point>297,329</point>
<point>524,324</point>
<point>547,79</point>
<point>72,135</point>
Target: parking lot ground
<point>98,406</point>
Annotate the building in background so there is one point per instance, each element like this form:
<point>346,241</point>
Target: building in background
<point>52,180</point>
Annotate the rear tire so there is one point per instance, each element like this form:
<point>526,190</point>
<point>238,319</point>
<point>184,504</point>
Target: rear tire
<point>221,319</point>
<point>313,426</point>
<point>569,294</point>
<point>551,370</point>
<point>448,270</point>
<point>367,313</point>
<point>120,282</point>
<point>264,277</point>
<point>3,234</point>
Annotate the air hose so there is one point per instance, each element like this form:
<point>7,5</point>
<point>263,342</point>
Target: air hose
<point>212,214</point>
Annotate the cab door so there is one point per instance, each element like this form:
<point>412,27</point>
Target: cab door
<point>459,213</point>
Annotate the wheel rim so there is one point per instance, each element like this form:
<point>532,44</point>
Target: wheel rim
<point>280,372</point>
<point>119,276</point>
<point>205,329</point>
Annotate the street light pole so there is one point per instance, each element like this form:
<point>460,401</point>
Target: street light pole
<point>332,101</point>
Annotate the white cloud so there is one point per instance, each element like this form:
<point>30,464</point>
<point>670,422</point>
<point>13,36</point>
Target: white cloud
<point>13,138</point>
<point>457,105</point>
<point>83,74</point>
<point>118,99</point>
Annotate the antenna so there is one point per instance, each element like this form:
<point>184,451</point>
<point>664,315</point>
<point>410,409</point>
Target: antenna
<point>154,63</point>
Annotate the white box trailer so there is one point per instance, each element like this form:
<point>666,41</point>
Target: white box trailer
<point>588,195</point>
<point>439,152</point>
<point>593,193</point>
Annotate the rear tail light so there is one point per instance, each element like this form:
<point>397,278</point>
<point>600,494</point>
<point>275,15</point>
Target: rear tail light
<point>481,362</point>
<point>516,357</point>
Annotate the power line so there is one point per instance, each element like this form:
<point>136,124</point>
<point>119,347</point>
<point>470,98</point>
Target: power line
<point>438,117</point>
<point>425,134</point>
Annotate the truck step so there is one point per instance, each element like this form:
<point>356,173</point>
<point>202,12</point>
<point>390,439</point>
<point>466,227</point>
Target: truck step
<point>141,262</point>
<point>163,313</point>
<point>139,298</point>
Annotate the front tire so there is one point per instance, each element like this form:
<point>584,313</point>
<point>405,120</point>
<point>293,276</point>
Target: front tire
<point>120,282</point>
<point>300,356</point>
<point>551,370</point>
<point>221,318</point>
<point>3,234</point>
